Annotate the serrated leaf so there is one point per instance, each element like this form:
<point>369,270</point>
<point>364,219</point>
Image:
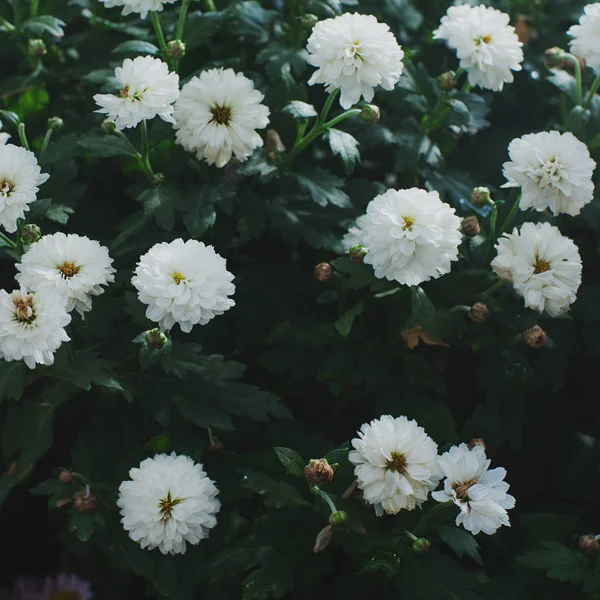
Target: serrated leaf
<point>559,562</point>
<point>461,542</point>
<point>422,311</point>
<point>277,494</point>
<point>136,47</point>
<point>105,146</point>
<point>160,203</point>
<point>292,461</point>
<point>344,324</point>
<point>345,146</point>
<point>38,209</point>
<point>13,378</point>
<point>59,213</point>
<point>300,110</point>
<point>323,187</point>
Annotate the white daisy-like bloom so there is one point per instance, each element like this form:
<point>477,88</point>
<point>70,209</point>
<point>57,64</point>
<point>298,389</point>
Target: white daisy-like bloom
<point>217,115</point>
<point>354,53</point>
<point>183,282</point>
<point>20,176</point>
<point>586,36</point>
<point>4,137</point>
<point>32,326</point>
<point>395,464</point>
<point>73,265</point>
<point>141,7</point>
<point>486,45</point>
<point>148,90</point>
<point>481,494</point>
<point>554,170</point>
<point>411,235</point>
<point>354,235</point>
<point>543,266</point>
<point>168,503</point>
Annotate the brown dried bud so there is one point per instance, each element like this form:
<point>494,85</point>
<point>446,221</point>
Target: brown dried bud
<point>480,196</point>
<point>588,544</point>
<point>85,501</point>
<point>318,471</point>
<point>479,312</point>
<point>476,442</point>
<point>323,271</point>
<point>470,226</point>
<point>447,81</point>
<point>535,337</point>
<point>65,476</point>
<point>323,538</point>
<point>36,48</point>
<point>273,143</point>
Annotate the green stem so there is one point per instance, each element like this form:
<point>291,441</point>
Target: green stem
<point>324,496</point>
<point>422,526</point>
<point>349,113</point>
<point>34,7</point>
<point>511,215</point>
<point>181,21</point>
<point>466,87</point>
<point>577,67</point>
<point>160,36</point>
<point>8,242</point>
<point>592,91</point>
<point>493,219</point>
<point>327,106</point>
<point>145,158</point>
<point>210,6</point>
<point>17,13</point>
<point>45,143</point>
<point>496,286</point>
<point>23,136</point>
<point>411,536</point>
<point>7,25</point>
<point>131,146</point>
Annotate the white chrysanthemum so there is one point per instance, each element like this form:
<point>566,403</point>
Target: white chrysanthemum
<point>168,503</point>
<point>586,36</point>
<point>554,170</point>
<point>141,7</point>
<point>354,235</point>
<point>543,266</point>
<point>32,326</point>
<point>4,137</point>
<point>20,176</point>
<point>354,53</point>
<point>396,464</point>
<point>480,494</point>
<point>148,90</point>
<point>73,265</point>
<point>183,282</point>
<point>411,235</point>
<point>487,46</point>
<point>217,114</point>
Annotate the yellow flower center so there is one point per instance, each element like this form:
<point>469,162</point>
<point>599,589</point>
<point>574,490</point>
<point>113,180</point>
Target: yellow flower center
<point>177,277</point>
<point>462,489</point>
<point>6,187</point>
<point>167,504</point>
<point>221,115</point>
<point>24,309</point>
<point>541,266</point>
<point>408,223</point>
<point>397,463</point>
<point>68,269</point>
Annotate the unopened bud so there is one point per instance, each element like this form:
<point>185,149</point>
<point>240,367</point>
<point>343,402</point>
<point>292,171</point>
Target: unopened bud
<point>85,501</point>
<point>273,143</point>
<point>479,312</point>
<point>55,123</point>
<point>108,127</point>
<point>588,544</point>
<point>477,442</point>
<point>31,233</point>
<point>176,49</point>
<point>357,254</point>
<point>323,539</point>
<point>158,178</point>
<point>318,471</point>
<point>535,337</point>
<point>447,81</point>
<point>554,58</point>
<point>480,196</point>
<point>421,545</point>
<point>470,226</point>
<point>323,271</point>
<point>370,114</point>
<point>308,21</point>
<point>338,518</point>
<point>156,339</point>
<point>65,476</point>
<point>36,48</point>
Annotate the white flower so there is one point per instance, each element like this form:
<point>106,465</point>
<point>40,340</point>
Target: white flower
<point>183,282</point>
<point>411,235</point>
<point>217,114</point>
<point>148,90</point>
<point>20,176</point>
<point>487,46</point>
<point>32,326</point>
<point>354,53</point>
<point>4,137</point>
<point>586,36</point>
<point>543,265</point>
<point>396,464</point>
<point>480,494</point>
<point>554,170</point>
<point>355,234</point>
<point>73,265</point>
<point>169,502</point>
<point>141,7</point>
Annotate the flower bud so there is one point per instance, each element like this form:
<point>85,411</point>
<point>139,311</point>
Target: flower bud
<point>323,271</point>
<point>176,49</point>
<point>588,544</point>
<point>479,312</point>
<point>480,196</point>
<point>470,226</point>
<point>535,337</point>
<point>156,339</point>
<point>36,48</point>
<point>85,501</point>
<point>30,233</point>
<point>553,57</point>
<point>273,143</point>
<point>477,442</point>
<point>447,81</point>
<point>338,518</point>
<point>323,539</point>
<point>308,21</point>
<point>318,471</point>
<point>421,546</point>
<point>55,123</point>
<point>369,114</point>
<point>357,254</point>
<point>108,127</point>
<point>65,476</point>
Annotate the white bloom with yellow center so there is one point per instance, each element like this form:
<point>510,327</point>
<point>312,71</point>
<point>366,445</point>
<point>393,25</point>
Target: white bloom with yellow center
<point>141,7</point>
<point>586,36</point>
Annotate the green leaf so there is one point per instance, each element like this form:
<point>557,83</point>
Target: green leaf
<point>200,29</point>
<point>346,147</point>
<point>461,542</point>
<point>251,21</point>
<point>323,187</point>
<point>344,324</point>
<point>59,213</point>
<point>300,110</point>
<point>559,562</point>
<point>13,379</point>
<point>160,203</point>
<point>277,494</point>
<point>13,118</point>
<point>37,26</point>
<point>38,209</point>
<point>105,146</point>
<point>457,112</point>
<point>422,311</point>
<point>84,370</point>
<point>136,47</point>
<point>150,355</point>
<point>294,464</point>
<point>82,524</point>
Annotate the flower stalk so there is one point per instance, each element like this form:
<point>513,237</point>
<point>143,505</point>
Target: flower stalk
<point>592,92</point>
<point>160,36</point>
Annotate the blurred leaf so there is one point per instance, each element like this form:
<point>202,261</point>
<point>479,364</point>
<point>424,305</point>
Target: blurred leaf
<point>136,47</point>
<point>559,562</point>
<point>300,110</point>
<point>461,542</point>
